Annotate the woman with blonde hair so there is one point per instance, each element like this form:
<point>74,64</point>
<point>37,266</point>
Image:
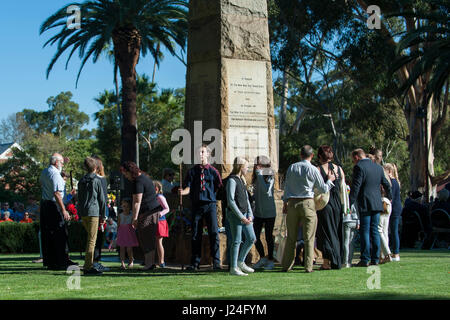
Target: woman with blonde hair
<point>395,217</point>
<point>240,218</point>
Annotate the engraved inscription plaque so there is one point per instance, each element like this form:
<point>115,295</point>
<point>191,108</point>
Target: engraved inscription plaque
<point>247,109</point>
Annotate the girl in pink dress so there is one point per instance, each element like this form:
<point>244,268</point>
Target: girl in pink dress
<point>126,234</point>
<point>163,227</point>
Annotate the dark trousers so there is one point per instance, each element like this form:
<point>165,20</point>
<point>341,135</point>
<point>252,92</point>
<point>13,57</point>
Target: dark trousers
<point>208,212</point>
<point>395,235</point>
<point>55,249</point>
<point>268,224</point>
<point>226,224</point>
<point>370,237</point>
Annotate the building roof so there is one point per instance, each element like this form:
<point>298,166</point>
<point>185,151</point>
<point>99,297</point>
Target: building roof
<point>5,146</point>
<point>6,152</point>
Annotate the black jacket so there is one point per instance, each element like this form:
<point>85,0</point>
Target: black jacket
<point>365,190</point>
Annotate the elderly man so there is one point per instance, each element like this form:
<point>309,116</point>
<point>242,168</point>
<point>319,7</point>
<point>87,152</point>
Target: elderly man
<point>365,193</point>
<point>301,179</point>
<point>55,248</point>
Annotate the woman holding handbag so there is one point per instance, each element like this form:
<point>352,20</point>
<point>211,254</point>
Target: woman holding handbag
<point>330,232</point>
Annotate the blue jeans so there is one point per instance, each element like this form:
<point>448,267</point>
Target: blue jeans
<point>236,228</point>
<point>395,238</point>
<point>370,237</point>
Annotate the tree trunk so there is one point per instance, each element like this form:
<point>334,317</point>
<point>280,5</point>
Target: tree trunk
<point>283,112</point>
<point>421,148</point>
<point>155,64</point>
<point>127,43</point>
<point>116,84</point>
<point>418,114</point>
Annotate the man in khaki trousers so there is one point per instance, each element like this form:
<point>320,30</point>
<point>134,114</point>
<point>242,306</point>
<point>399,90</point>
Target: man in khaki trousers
<point>301,179</point>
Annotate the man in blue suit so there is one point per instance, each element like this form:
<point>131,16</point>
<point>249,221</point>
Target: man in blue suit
<point>365,194</point>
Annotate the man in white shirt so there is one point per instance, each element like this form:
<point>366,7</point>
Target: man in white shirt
<point>55,250</point>
<point>301,179</point>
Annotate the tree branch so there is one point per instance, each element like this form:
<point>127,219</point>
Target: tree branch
<point>402,72</point>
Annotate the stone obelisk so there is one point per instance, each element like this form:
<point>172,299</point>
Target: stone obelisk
<point>229,80</point>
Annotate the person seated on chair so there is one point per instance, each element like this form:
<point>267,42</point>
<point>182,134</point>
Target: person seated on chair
<point>6,208</point>
<point>26,218</point>
<point>442,202</point>
<point>168,184</point>
<point>19,213</point>
<point>414,203</point>
<point>6,217</point>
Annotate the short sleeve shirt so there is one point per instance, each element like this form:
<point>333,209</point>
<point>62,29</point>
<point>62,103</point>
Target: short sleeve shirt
<point>51,182</point>
<point>143,184</point>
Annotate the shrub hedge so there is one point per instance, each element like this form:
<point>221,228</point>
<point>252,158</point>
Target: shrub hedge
<point>23,237</point>
<point>19,237</point>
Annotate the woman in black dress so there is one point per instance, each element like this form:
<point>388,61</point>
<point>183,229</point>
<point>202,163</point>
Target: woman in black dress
<point>145,209</point>
<point>330,232</point>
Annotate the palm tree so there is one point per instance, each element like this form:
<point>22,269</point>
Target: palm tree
<point>424,64</point>
<point>428,50</point>
<point>134,27</point>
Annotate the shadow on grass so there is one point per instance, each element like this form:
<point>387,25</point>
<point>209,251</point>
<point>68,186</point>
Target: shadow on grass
<point>17,259</point>
<point>291,300</point>
<point>22,269</point>
<point>373,295</point>
<point>137,272</point>
<point>114,271</point>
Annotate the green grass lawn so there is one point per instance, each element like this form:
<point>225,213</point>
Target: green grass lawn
<point>421,274</point>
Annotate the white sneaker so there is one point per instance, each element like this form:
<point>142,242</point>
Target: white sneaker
<point>395,258</point>
<point>245,268</point>
<point>237,272</point>
<point>348,265</point>
<point>269,265</point>
<point>261,263</point>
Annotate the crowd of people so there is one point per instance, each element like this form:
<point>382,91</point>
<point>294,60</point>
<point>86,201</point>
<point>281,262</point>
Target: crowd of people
<point>371,207</point>
<point>19,213</point>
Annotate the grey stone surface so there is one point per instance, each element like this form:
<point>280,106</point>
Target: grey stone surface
<point>255,8</point>
<point>221,30</point>
<point>243,37</point>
